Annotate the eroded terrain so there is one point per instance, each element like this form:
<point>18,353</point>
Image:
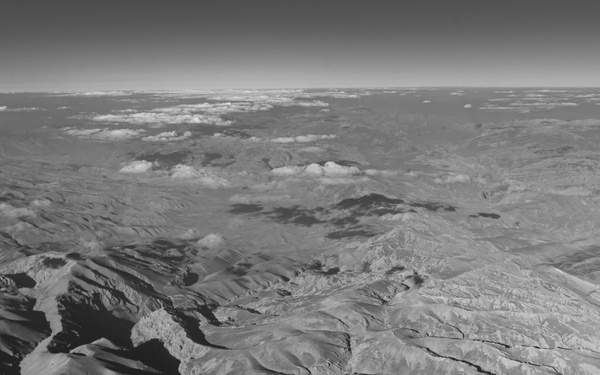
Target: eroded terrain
<point>300,232</point>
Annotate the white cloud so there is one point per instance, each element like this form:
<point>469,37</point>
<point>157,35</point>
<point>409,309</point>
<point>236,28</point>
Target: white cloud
<point>105,134</point>
<point>31,109</point>
<point>160,119</point>
<point>202,176</point>
<point>40,203</point>
<point>9,211</point>
<point>168,137</point>
<point>211,241</point>
<point>138,166</point>
<point>426,101</point>
<point>283,140</point>
<point>330,169</point>
<point>303,138</point>
<point>467,106</point>
<point>94,93</point>
<point>377,172</point>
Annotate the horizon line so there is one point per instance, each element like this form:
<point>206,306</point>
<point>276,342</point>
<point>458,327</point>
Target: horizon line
<point>300,88</point>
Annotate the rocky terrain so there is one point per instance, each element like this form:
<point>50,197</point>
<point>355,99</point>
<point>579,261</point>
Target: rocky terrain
<point>300,232</point>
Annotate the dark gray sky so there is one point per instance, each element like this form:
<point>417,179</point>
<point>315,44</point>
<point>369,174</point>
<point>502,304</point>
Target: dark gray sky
<point>147,44</point>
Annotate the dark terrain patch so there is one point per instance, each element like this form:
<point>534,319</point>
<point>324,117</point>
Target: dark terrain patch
<point>369,202</point>
<point>294,215</point>
<point>245,208</point>
<point>53,262</point>
<point>345,215</point>
<point>22,280</point>
<point>394,269</point>
<point>432,206</point>
<point>489,216</point>
<point>154,354</point>
<point>343,221</point>
<point>235,133</point>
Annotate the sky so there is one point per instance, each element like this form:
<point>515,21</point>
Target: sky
<point>64,45</point>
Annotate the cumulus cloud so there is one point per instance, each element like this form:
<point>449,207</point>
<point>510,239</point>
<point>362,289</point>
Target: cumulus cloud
<point>168,137</point>
<point>283,140</point>
<point>204,177</point>
<point>211,241</point>
<point>138,166</point>
<point>426,101</point>
<point>160,119</point>
<point>457,93</point>
<point>451,179</point>
<point>467,106</point>
<point>303,138</point>
<point>40,203</point>
<point>31,109</point>
<point>9,211</point>
<point>330,169</point>
<point>533,100</point>
<point>105,134</point>
<point>64,108</point>
<point>377,172</point>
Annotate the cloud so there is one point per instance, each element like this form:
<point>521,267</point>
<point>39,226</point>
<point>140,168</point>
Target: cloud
<point>32,109</point>
<point>211,241</point>
<point>138,166</point>
<point>160,119</point>
<point>40,203</point>
<point>105,134</point>
<point>426,101</point>
<point>467,106</point>
<point>377,172</point>
<point>303,138</point>
<point>168,137</point>
<point>283,140</point>
<point>451,179</point>
<point>9,211</point>
<point>64,108</point>
<point>330,169</point>
<point>533,100</point>
<point>94,93</point>
<point>204,177</point>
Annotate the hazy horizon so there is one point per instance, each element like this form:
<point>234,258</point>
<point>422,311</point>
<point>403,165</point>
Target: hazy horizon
<point>151,45</point>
